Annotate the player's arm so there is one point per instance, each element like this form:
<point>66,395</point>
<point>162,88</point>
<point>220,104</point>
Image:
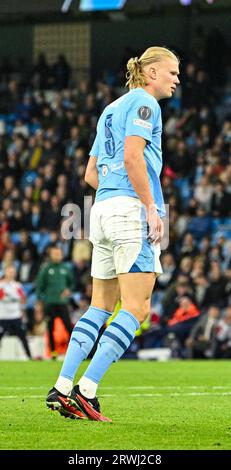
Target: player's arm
<point>137,169</point>
<point>71,280</point>
<point>137,173</point>
<point>41,283</point>
<point>21,294</point>
<point>70,284</point>
<point>91,175</point>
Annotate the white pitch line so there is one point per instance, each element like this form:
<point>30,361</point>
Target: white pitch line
<point>152,387</point>
<point>23,388</point>
<point>20,397</point>
<point>167,387</point>
<point>189,394</point>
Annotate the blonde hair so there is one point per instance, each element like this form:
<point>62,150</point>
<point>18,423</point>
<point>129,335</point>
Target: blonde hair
<point>135,74</point>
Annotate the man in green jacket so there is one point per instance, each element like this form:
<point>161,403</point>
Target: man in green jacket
<point>55,283</point>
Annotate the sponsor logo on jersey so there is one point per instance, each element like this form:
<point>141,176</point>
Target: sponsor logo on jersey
<point>117,166</point>
<point>140,122</point>
<point>104,170</point>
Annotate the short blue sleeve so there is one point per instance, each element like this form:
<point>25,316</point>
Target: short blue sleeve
<point>141,119</point>
<point>94,152</point>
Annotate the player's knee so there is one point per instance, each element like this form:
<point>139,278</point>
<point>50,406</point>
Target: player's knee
<point>109,306</point>
<point>139,310</point>
<point>142,315</point>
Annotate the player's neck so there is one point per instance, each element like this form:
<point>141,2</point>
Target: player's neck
<point>149,89</point>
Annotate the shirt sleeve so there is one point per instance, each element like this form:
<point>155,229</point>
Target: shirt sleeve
<point>141,119</point>
<point>94,152</point>
<point>71,281</point>
<point>41,283</point>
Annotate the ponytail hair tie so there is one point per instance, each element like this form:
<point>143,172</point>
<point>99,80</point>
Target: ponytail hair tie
<point>137,61</point>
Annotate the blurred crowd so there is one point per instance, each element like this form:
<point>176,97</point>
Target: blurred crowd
<point>47,126</point>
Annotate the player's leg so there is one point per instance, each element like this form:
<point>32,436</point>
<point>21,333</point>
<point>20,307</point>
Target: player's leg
<point>136,264</point>
<point>105,293</point>
<point>136,290</point>
<point>3,328</point>
<point>65,317</point>
<point>104,298</point>
<point>50,311</point>
<point>86,330</point>
<point>18,330</point>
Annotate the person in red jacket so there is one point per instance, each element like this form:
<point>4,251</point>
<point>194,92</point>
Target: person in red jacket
<point>11,299</point>
<point>186,311</point>
<point>183,319</point>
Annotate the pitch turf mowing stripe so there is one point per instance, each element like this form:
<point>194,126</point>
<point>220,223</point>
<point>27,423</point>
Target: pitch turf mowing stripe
<point>193,394</point>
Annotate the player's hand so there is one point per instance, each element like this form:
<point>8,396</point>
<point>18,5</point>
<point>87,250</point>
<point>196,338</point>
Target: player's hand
<point>156,225</point>
<point>65,293</point>
<point>189,342</point>
<point>202,338</point>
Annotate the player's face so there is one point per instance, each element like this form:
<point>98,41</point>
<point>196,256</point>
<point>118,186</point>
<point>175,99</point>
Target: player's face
<point>166,78</point>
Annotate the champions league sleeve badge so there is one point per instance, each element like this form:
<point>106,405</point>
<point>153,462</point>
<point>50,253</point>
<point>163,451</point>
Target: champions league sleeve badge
<point>144,112</point>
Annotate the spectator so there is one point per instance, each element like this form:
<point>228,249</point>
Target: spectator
<point>28,267</point>
<point>222,341</point>
<point>82,307</point>
<point>55,284</point>
<point>200,287</point>
<point>61,73</point>
<point>221,201</point>
<point>173,294</point>
<point>215,293</point>
<point>39,326</point>
<point>199,226</point>
<point>12,298</point>
<point>202,335</point>
<point>188,247</point>
<point>169,270</point>
<point>26,244</point>
<point>8,259</point>
<point>203,193</point>
<point>182,321</point>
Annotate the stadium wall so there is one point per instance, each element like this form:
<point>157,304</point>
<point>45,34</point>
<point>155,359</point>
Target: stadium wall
<point>176,31</point>
<point>112,37</point>
<point>17,41</point>
<point>101,43</point>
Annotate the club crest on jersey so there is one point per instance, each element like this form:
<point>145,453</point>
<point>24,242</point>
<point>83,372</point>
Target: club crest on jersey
<point>144,112</point>
<point>104,170</point>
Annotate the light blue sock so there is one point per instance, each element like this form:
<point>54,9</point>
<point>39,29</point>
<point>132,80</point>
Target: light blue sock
<point>113,343</point>
<point>82,340</point>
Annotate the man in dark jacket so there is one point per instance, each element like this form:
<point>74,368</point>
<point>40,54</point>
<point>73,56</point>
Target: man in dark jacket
<point>55,283</point>
<point>202,335</point>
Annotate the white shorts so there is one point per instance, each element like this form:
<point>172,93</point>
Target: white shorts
<point>118,232</point>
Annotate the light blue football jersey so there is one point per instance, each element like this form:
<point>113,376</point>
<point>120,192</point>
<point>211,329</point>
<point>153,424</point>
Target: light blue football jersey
<point>135,113</point>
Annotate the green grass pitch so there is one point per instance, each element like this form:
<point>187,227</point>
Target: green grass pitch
<point>153,405</point>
